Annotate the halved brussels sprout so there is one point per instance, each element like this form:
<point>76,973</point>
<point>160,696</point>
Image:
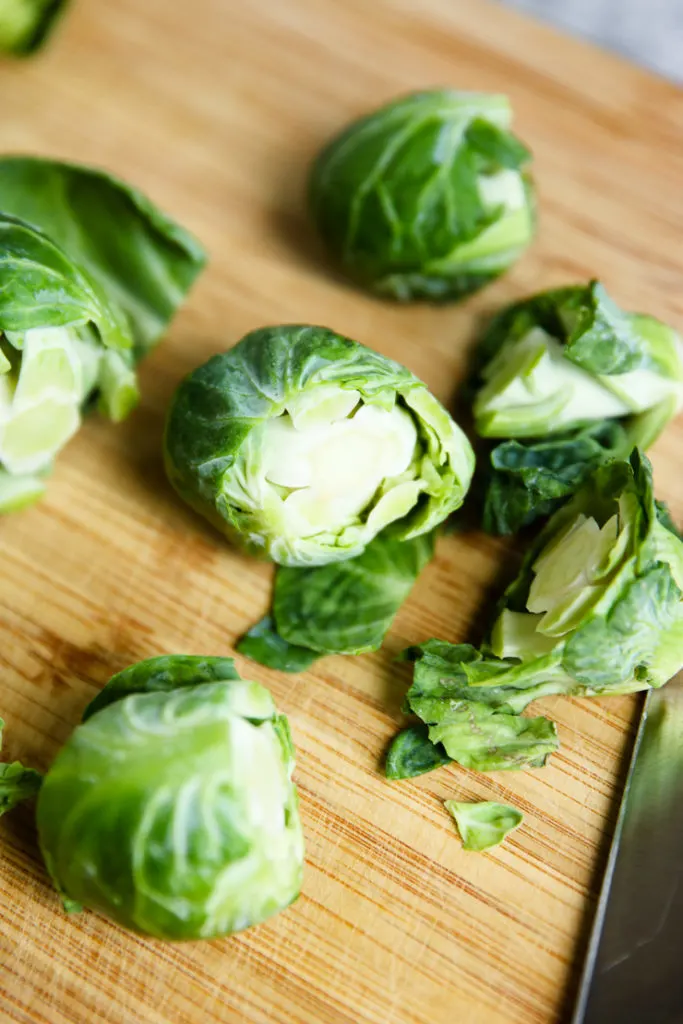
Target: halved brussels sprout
<point>596,609</point>
<point>89,277</point>
<point>572,381</point>
<point>303,445</point>
<point>570,357</point>
<point>428,197</point>
<point>171,809</point>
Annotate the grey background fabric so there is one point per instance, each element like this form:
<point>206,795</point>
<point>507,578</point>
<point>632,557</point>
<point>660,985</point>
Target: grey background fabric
<point>650,32</point>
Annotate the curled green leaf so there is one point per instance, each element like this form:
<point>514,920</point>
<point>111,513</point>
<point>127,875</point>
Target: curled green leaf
<point>263,644</point>
<point>412,753</point>
<point>485,824</point>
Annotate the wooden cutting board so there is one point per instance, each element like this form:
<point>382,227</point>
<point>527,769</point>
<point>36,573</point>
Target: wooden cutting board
<point>215,108</point>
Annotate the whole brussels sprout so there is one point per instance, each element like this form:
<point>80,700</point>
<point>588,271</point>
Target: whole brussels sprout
<point>428,197</point>
<point>303,445</point>
<point>171,809</point>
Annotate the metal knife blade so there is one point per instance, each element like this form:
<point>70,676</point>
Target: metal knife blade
<point>633,972</point>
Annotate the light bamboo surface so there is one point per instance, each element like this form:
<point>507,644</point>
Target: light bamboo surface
<point>215,108</point>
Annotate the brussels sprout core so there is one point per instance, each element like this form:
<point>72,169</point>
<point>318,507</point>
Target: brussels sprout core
<point>46,374</point>
<point>531,388</point>
<point>326,473</point>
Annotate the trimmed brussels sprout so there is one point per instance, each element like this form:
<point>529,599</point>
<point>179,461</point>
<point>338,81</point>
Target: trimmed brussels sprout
<point>485,824</point>
<point>90,275</point>
<point>575,381</point>
<point>428,197</point>
<point>171,808</point>
<point>26,24</point>
<point>597,609</point>
<point>302,445</point>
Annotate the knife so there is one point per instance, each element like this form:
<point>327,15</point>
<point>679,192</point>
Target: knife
<point>633,973</point>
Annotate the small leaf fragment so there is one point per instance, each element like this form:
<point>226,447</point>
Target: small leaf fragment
<point>485,824</point>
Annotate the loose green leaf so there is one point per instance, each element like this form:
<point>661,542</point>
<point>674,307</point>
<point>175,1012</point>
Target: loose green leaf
<point>486,740</point>
<point>348,607</point>
<point>41,286</point>
<point>302,445</point>
<point>412,753</point>
<point>162,674</point>
<point>138,257</point>
<point>428,197</point>
<point>263,644</point>
<point>485,824</point>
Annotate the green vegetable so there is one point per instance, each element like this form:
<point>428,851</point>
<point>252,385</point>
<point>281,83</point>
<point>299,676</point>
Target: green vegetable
<point>26,24</point>
<point>428,197</point>
<point>529,479</point>
<point>172,810</point>
<point>485,824</point>
<point>575,381</point>
<point>341,608</point>
<point>16,782</point>
<point>475,721</point>
<point>598,599</point>
<point>413,753</point>
<point>348,607</point>
<point>90,275</point>
<point>161,675</point>
<point>262,643</point>
<point>596,609</point>
<point>302,445</point>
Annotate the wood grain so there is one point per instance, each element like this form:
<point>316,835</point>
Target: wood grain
<point>215,108</point>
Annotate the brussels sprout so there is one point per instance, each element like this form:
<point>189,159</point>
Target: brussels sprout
<point>302,445</point>
<point>90,274</point>
<point>427,198</point>
<point>574,381</point>
<point>26,24</point>
<point>597,609</point>
<point>172,811</point>
<point>566,358</point>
